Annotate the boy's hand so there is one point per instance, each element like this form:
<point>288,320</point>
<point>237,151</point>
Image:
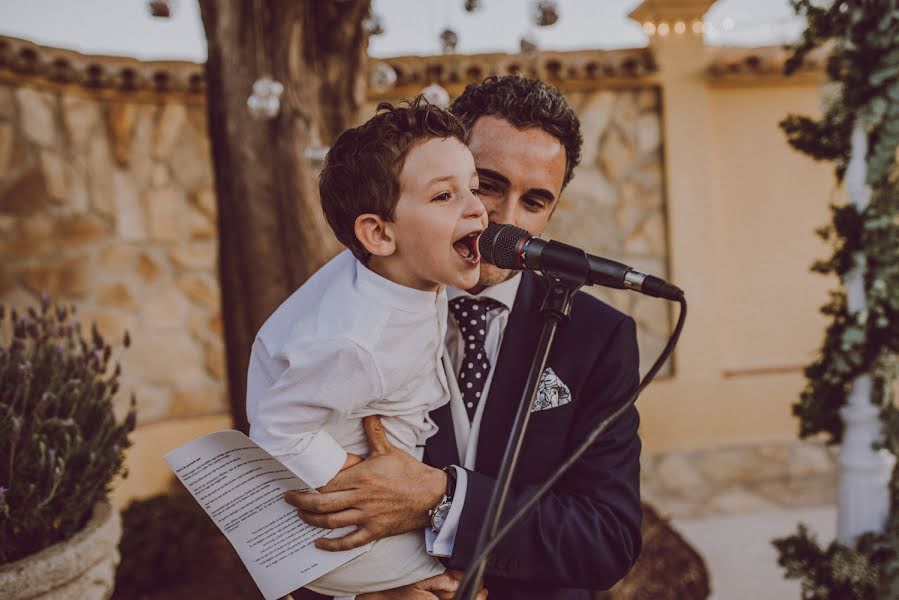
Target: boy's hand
<point>388,493</point>
<point>441,587</point>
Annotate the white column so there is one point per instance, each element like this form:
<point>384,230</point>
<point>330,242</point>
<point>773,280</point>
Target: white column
<point>680,54</point>
<point>863,502</point>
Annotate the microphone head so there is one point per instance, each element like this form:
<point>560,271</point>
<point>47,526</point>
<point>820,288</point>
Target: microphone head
<point>499,245</point>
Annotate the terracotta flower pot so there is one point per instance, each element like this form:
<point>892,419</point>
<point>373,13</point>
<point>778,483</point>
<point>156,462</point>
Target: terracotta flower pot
<point>81,567</point>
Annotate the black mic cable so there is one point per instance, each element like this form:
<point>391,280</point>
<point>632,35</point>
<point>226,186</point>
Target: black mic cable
<point>511,247</point>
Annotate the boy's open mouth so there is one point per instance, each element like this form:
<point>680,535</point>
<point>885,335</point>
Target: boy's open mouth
<point>467,247</point>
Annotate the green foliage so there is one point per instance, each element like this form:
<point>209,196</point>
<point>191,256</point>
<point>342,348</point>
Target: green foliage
<point>60,443</point>
<point>863,37</point>
<point>161,538</point>
<point>835,571</point>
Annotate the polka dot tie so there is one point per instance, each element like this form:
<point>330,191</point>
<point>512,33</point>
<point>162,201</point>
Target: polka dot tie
<point>470,313</point>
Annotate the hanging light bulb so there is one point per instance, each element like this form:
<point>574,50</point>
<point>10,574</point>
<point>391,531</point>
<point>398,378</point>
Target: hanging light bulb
<point>528,43</point>
<point>265,101</point>
<point>449,39</point>
<point>374,25</point>
<point>436,95</point>
<point>161,9</point>
<point>472,5</point>
<point>316,155</point>
<point>381,78</point>
<point>545,12</point>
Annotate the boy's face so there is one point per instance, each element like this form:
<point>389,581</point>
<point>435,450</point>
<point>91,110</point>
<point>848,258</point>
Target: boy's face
<point>439,217</point>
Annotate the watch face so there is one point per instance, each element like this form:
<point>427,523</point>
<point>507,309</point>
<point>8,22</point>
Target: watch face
<point>440,514</point>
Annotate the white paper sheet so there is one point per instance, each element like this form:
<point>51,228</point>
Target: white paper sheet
<point>241,488</point>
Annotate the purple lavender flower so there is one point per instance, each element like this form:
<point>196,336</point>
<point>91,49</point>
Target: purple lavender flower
<point>3,491</point>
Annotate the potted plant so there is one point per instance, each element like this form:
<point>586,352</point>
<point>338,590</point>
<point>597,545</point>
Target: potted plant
<point>60,448</point>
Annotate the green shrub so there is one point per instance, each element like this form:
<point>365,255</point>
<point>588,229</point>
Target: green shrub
<point>162,538</point>
<point>60,443</point>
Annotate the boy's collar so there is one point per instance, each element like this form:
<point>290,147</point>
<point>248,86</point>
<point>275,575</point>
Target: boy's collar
<point>394,294</point>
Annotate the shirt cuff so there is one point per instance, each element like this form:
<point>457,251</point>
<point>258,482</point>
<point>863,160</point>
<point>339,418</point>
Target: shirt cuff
<point>441,543</point>
<point>318,462</point>
<point>344,597</point>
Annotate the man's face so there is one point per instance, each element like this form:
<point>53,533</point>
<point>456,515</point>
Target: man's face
<point>521,174</point>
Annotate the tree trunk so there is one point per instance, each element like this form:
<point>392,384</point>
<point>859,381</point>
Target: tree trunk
<point>272,235</point>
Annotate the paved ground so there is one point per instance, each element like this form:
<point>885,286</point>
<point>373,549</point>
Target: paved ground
<point>737,549</point>
<point>729,503</point>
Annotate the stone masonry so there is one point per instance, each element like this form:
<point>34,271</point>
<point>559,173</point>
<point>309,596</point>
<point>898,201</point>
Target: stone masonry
<point>107,201</point>
<point>108,204</point>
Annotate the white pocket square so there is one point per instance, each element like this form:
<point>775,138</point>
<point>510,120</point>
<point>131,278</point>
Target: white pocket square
<point>552,392</point>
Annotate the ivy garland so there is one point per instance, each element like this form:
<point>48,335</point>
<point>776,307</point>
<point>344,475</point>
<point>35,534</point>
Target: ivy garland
<point>863,66</point>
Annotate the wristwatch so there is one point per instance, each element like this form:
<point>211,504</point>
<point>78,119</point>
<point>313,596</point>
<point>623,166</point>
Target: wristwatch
<point>439,513</point>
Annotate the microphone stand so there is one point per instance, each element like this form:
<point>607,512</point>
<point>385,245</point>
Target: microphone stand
<point>556,309</point>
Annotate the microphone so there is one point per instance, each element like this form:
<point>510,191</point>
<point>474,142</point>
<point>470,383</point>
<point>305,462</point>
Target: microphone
<point>510,247</point>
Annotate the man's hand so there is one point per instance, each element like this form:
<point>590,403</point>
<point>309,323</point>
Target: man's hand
<point>388,493</point>
<point>441,587</point>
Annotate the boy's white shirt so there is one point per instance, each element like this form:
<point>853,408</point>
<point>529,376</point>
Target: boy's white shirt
<point>347,344</point>
<point>359,357</point>
<point>441,543</point>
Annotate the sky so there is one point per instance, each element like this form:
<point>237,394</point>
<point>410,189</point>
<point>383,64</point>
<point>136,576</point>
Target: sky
<point>125,27</point>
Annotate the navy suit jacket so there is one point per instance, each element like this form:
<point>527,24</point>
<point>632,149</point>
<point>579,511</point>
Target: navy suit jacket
<point>585,534</point>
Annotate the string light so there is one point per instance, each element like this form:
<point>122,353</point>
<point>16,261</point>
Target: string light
<point>382,77</point>
<point>528,43</point>
<point>265,101</point>
<point>436,95</point>
<point>449,39</point>
<point>374,25</point>
<point>161,9</point>
<point>696,27</point>
<point>472,5</point>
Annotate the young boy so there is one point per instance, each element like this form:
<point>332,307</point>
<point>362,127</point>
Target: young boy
<point>365,334</point>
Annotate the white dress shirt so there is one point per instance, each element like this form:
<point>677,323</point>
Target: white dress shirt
<point>347,344</point>
<point>441,543</point>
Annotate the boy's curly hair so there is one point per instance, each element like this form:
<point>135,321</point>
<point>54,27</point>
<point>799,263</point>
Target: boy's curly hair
<point>524,103</point>
<point>362,169</point>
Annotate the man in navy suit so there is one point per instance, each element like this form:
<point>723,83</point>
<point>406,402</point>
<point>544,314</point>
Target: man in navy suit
<point>585,534</point>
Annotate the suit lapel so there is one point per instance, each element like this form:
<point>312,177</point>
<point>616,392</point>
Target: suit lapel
<point>516,353</point>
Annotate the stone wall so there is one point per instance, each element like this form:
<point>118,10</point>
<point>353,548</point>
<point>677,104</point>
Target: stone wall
<point>108,203</point>
<point>615,205</point>
<point>740,479</point>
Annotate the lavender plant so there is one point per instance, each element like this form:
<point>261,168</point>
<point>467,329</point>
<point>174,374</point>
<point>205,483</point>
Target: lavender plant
<point>60,442</point>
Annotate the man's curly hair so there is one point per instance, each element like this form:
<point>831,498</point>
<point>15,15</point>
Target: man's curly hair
<point>362,169</point>
<point>524,103</point>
